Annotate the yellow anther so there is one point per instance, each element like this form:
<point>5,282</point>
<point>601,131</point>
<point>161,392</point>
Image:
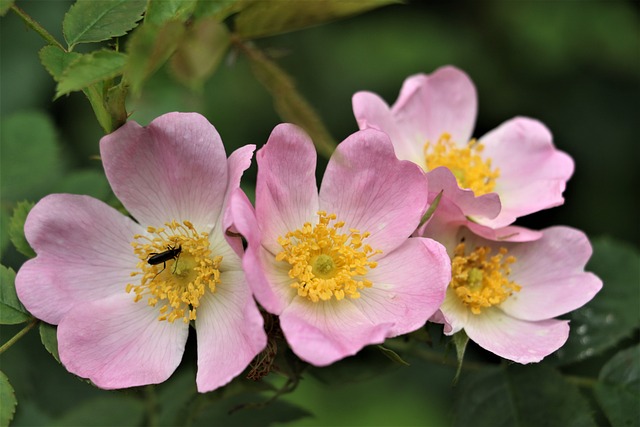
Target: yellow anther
<point>325,263</point>
<point>467,165</point>
<point>481,281</point>
<point>180,282</point>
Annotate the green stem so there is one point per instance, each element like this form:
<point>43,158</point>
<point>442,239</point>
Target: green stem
<point>34,25</point>
<point>151,403</point>
<point>19,335</point>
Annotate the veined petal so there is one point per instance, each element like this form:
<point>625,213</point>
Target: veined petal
<point>322,333</point>
<point>533,173</point>
<point>256,260</point>
<point>173,169</point>
<point>118,343</point>
<point>453,313</point>
<point>444,101</point>
<point>551,273</point>
<point>372,112</point>
<point>238,162</point>
<point>408,286</point>
<point>230,332</point>
<point>485,206</point>
<point>517,340</point>
<point>286,191</point>
<point>84,254</point>
<point>369,189</point>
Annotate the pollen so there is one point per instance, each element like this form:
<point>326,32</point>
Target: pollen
<point>466,163</point>
<point>481,280</point>
<point>178,284</point>
<point>325,262</point>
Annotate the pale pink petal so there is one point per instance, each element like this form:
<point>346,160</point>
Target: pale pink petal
<point>453,313</point>
<point>286,191</point>
<point>117,343</point>
<point>445,224</point>
<point>372,112</point>
<point>408,286</point>
<point>517,340</point>
<point>238,162</point>
<point>533,173</point>
<point>256,260</point>
<point>230,332</point>
<point>551,273</point>
<point>369,189</point>
<point>324,332</point>
<point>510,233</point>
<point>485,206</point>
<point>444,101</point>
<point>84,254</point>
<point>173,169</point>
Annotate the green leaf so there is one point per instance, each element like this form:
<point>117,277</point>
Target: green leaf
<point>205,44</point>
<point>98,20</point>
<point>29,158</point>
<point>460,340</point>
<point>266,18</point>
<point>251,412</point>
<point>49,338</point>
<point>533,395</point>
<point>104,411</point>
<point>618,391</point>
<point>432,208</point>
<point>162,11</point>
<point>56,61</point>
<point>12,311</point>
<point>392,355</point>
<point>16,228</point>
<point>149,48</point>
<point>90,69</point>
<point>289,104</point>
<point>613,314</point>
<point>8,399</point>
<point>5,5</point>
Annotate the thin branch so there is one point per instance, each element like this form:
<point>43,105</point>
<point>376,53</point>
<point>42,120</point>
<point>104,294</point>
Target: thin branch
<point>19,335</point>
<point>34,25</point>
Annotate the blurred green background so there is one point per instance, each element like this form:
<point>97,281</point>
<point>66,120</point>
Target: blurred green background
<point>574,65</point>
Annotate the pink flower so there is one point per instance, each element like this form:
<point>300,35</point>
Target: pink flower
<point>431,124</point>
<point>338,266</point>
<point>123,322</point>
<point>506,292</point>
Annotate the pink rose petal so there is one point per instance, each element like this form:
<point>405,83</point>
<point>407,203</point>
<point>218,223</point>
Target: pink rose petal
<point>84,254</point>
<point>169,170</point>
<point>409,286</point>
<point>117,343</point>
<point>230,332</point>
<point>366,186</point>
<point>517,340</point>
<point>286,191</point>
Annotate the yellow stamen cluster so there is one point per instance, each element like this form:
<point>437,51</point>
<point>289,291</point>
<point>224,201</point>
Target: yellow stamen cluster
<point>178,285</point>
<point>326,263</point>
<point>466,164</point>
<point>481,281</point>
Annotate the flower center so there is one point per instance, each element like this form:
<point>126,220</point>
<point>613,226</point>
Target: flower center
<point>326,263</point>
<point>466,164</point>
<point>481,281</point>
<point>176,269</point>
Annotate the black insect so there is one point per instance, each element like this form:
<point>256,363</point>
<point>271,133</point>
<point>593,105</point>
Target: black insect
<point>163,257</point>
